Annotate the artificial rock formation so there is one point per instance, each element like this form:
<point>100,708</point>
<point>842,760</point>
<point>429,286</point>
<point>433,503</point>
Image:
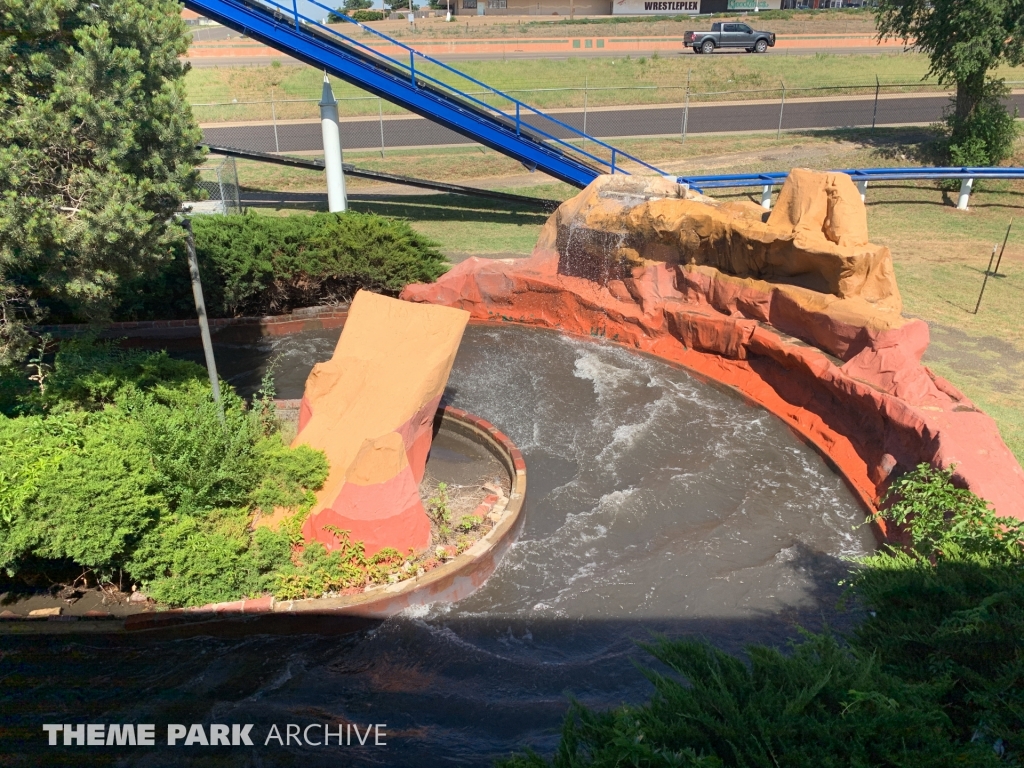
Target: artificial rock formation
<point>371,409</point>
<point>797,310</point>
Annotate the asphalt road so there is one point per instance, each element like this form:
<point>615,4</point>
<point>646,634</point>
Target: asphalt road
<point>606,123</point>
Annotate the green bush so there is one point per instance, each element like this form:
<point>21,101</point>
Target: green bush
<point>940,518</point>
<point>950,608</point>
<point>934,674</point>
<point>253,265</point>
<point>363,16</point>
<point>119,463</point>
<point>822,706</point>
<point>985,138</point>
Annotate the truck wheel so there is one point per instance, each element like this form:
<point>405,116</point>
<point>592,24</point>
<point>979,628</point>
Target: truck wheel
<point>761,46</point>
<point>707,47</point>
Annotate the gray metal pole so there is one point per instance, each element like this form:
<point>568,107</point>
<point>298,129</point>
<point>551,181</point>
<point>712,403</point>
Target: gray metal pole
<point>273,116</point>
<point>204,323</point>
<point>782,107</point>
<point>380,114</point>
<point>686,105</point>
<point>874,113</point>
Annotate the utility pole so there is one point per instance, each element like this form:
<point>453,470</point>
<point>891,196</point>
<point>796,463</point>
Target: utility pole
<point>337,201</point>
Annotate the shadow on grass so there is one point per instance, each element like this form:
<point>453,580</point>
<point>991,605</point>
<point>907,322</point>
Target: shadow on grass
<point>433,207</point>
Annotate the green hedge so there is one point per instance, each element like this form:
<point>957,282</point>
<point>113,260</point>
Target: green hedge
<point>363,16</point>
<point>118,465</point>
<point>255,264</point>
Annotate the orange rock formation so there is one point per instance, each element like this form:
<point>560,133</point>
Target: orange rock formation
<point>371,409</point>
<point>796,310</point>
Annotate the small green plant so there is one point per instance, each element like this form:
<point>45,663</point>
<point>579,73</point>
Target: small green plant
<point>439,510</point>
<point>37,362</point>
<point>264,409</point>
<point>469,523</point>
<point>941,518</point>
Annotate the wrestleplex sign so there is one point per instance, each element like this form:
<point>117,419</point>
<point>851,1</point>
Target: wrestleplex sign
<point>640,7</point>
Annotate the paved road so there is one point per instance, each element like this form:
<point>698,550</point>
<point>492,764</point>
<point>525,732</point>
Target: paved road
<point>605,123</point>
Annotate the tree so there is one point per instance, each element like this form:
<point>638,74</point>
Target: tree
<point>347,7</point>
<point>97,150</point>
<point>401,5</point>
<point>964,42</point>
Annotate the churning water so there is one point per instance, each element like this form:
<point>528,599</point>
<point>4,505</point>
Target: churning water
<point>657,503</point>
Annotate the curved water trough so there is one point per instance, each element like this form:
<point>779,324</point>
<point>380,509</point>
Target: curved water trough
<point>660,503</point>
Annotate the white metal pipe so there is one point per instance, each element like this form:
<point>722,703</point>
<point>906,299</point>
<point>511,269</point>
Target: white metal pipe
<point>862,185</point>
<point>965,193</point>
<point>337,201</point>
<point>766,197</point>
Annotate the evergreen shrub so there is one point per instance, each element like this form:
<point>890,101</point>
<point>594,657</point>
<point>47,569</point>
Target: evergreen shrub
<point>253,264</point>
<point>933,674</point>
<point>118,464</point>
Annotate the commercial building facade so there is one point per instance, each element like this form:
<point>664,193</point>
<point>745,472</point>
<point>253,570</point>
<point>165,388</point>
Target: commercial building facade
<point>613,7</point>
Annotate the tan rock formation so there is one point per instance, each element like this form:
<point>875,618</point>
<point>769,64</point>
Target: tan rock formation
<point>371,409</point>
<point>814,244</point>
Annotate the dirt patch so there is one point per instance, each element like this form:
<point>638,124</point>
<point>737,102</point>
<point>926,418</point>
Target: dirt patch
<point>1001,364</point>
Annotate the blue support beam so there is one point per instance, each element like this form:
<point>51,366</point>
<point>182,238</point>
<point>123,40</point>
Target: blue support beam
<point>304,39</point>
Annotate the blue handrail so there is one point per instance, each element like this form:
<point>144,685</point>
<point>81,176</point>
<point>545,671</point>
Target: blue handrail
<point>719,181</point>
<point>415,75</point>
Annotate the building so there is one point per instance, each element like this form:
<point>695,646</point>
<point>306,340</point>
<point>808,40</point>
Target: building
<point>613,7</point>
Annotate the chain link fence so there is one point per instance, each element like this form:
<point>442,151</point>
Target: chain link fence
<point>369,123</point>
<point>219,180</point>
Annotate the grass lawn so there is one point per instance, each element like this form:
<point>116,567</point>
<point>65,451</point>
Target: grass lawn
<point>712,78</point>
<point>940,253</point>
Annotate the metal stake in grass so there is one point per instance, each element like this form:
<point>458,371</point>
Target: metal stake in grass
<point>1000,259</point>
<point>985,281</point>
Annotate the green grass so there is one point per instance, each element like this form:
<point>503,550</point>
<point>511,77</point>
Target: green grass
<point>712,78</point>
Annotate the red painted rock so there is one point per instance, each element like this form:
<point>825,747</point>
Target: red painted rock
<point>838,362</point>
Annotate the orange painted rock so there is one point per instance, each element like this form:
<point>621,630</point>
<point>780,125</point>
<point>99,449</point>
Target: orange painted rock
<point>799,312</point>
<point>371,409</point>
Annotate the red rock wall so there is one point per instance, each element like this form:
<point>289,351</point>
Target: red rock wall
<point>868,403</point>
